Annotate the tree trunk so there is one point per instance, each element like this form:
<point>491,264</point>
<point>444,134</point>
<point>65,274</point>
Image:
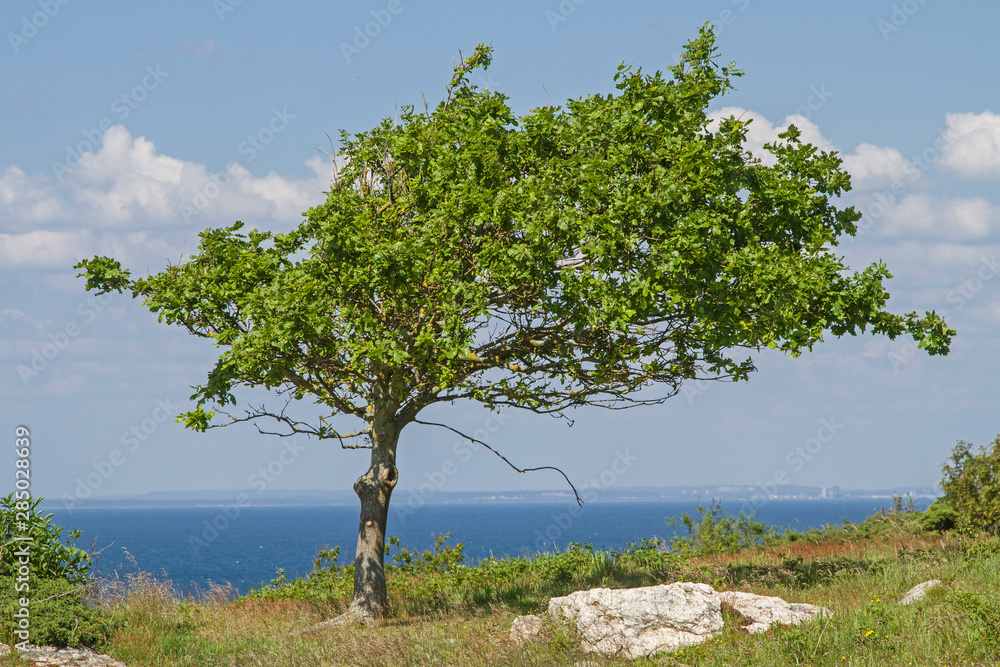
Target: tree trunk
<point>374,489</point>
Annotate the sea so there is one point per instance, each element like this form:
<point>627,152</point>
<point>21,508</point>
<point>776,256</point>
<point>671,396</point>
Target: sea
<point>246,547</point>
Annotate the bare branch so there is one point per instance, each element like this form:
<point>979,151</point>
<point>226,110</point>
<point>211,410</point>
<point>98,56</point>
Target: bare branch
<point>579,501</point>
<point>296,427</point>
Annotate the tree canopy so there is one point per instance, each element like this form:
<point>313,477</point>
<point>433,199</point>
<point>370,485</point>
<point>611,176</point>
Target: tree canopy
<point>571,256</point>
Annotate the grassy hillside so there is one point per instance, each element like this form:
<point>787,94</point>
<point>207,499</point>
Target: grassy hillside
<point>446,613</point>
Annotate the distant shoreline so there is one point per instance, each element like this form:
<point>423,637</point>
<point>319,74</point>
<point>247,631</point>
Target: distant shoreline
<point>412,497</point>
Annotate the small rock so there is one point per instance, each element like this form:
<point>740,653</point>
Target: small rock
<point>51,656</point>
<point>525,628</point>
<point>919,591</point>
<point>763,611</point>
<point>642,621</point>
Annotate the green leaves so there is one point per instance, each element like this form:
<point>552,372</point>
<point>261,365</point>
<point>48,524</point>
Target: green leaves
<point>971,485</point>
<point>51,555</point>
<point>569,256</point>
<point>104,274</point>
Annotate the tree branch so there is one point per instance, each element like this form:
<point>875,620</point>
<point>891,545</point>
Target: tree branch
<point>579,501</point>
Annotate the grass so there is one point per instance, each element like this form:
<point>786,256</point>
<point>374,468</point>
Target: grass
<point>445,613</point>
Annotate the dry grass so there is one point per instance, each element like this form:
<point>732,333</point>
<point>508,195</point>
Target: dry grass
<point>859,578</point>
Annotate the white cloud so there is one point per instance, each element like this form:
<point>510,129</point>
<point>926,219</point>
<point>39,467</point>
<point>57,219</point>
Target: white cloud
<point>27,201</point>
<point>871,167</point>
<point>928,264</point>
<point>128,200</point>
<point>128,183</point>
<point>971,146</point>
<point>43,249</point>
<point>59,250</point>
<point>920,214</point>
<point>877,168</point>
<point>762,131</point>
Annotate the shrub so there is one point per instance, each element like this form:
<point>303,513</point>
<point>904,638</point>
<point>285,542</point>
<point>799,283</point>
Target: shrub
<point>938,516</point>
<point>50,558</point>
<point>60,615</point>
<point>716,531</point>
<point>56,583</point>
<point>972,486</point>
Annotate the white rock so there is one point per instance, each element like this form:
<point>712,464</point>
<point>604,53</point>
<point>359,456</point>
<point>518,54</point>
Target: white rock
<point>64,657</point>
<point>643,621</point>
<point>525,628</point>
<point>763,611</point>
<point>919,591</point>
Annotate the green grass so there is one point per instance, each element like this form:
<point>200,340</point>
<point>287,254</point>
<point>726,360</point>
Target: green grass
<point>445,613</point>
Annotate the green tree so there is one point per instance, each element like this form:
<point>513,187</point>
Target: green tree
<point>971,486</point>
<point>568,257</point>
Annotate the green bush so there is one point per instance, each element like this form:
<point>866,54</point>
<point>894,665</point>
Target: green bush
<point>55,583</point>
<point>938,516</point>
<point>59,614</point>
<point>717,531</point>
<point>50,558</point>
<point>972,487</point>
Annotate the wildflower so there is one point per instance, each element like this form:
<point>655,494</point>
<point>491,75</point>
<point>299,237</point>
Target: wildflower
<point>869,633</point>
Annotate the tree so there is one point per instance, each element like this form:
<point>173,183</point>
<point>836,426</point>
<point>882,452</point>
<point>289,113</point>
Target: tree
<point>594,255</point>
<point>971,485</point>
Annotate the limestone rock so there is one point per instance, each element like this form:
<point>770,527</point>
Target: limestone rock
<point>525,628</point>
<point>643,621</point>
<point>63,657</point>
<point>763,611</point>
<point>919,591</point>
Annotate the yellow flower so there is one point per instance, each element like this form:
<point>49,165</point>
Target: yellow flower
<point>869,633</point>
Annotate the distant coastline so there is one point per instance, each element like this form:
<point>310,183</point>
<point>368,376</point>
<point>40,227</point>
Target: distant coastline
<point>306,498</point>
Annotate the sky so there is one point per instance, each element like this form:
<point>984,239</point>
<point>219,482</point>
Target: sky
<point>126,128</point>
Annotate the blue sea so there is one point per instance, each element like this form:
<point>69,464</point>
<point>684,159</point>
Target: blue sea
<point>193,546</point>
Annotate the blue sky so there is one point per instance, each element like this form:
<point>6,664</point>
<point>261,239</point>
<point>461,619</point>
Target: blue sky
<point>115,117</point>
